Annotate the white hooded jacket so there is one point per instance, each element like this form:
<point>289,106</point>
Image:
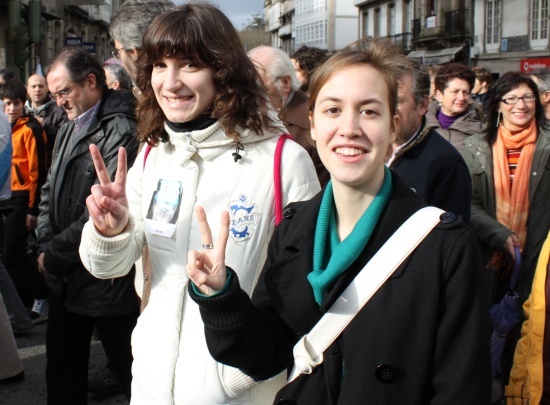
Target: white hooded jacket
<point>172,364</point>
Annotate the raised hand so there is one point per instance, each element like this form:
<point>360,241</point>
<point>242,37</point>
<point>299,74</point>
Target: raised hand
<point>207,268</point>
<point>107,203</point>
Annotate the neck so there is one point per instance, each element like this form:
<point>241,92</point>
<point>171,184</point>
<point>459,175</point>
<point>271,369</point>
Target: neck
<point>38,104</point>
<point>350,202</point>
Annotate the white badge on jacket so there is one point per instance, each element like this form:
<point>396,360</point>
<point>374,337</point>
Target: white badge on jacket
<point>164,208</point>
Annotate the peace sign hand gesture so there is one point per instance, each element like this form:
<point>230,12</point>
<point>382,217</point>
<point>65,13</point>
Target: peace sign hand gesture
<point>207,268</point>
<point>107,204</point>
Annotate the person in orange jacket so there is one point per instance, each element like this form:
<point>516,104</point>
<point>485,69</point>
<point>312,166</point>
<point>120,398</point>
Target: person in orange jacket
<point>20,212</point>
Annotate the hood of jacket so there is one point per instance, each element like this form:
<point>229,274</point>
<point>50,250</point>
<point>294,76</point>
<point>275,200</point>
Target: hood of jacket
<point>112,103</point>
<point>37,111</point>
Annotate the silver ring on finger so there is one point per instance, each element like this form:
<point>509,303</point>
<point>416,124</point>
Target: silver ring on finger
<point>208,246</point>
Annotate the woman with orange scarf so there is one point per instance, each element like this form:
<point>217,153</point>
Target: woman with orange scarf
<point>510,168</point>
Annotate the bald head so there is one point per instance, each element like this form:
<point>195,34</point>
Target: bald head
<point>37,89</point>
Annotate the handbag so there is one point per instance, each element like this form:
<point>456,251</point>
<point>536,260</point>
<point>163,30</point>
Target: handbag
<point>308,352</point>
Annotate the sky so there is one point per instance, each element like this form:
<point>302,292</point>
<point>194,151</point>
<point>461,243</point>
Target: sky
<point>238,11</point>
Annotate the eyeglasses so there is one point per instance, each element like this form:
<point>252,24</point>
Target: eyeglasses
<point>528,98</point>
<point>116,53</point>
<point>63,94</point>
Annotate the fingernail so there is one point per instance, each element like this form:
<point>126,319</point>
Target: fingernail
<point>101,218</point>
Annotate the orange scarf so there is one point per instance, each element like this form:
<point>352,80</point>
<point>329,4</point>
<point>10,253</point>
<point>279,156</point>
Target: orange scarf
<point>512,206</point>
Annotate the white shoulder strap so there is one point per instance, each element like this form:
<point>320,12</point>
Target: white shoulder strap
<point>308,352</point>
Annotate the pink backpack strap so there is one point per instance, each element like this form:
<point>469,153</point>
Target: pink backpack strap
<point>147,150</point>
<point>277,178</point>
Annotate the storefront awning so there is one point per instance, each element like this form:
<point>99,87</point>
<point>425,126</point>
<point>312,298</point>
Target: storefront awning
<point>435,57</point>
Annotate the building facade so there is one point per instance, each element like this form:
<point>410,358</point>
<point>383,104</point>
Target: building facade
<point>325,24</point>
<point>35,30</point>
<point>511,34</point>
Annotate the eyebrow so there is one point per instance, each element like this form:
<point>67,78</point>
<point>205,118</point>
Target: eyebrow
<point>363,101</point>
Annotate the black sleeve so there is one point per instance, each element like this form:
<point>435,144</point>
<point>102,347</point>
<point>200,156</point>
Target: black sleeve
<point>246,335</point>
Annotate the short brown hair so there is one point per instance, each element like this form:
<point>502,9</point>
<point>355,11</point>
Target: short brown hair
<point>381,54</point>
<point>451,71</point>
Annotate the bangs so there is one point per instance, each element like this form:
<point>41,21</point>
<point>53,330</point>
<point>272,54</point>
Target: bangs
<point>174,39</point>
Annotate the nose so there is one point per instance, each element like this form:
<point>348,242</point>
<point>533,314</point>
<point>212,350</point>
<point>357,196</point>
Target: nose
<point>172,80</point>
<point>349,124</point>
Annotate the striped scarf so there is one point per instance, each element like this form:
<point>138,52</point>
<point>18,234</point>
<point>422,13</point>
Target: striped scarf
<point>512,199</point>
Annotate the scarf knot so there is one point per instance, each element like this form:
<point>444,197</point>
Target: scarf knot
<point>331,258</point>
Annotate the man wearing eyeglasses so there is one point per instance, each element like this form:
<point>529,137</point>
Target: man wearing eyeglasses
<point>127,28</point>
<point>80,302</point>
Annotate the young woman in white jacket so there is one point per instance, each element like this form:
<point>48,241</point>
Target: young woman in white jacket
<point>212,140</point>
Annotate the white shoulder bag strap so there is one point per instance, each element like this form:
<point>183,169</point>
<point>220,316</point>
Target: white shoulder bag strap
<point>308,352</point>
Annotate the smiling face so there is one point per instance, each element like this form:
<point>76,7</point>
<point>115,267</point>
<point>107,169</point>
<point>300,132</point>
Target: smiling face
<point>516,117</point>
<point>455,97</point>
<point>183,91</point>
<point>353,127</point>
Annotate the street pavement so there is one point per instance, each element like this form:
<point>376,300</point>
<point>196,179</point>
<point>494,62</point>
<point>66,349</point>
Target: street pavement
<point>32,390</point>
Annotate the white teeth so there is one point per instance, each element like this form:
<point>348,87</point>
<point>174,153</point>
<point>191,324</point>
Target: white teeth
<point>349,151</point>
<point>177,100</point>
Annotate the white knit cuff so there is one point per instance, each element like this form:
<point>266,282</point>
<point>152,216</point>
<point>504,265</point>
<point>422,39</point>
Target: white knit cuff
<point>106,245</point>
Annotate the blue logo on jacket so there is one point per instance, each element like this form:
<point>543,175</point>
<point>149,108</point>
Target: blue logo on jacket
<point>243,218</point>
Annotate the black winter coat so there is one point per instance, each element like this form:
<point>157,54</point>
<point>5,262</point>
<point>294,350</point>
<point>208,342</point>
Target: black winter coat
<point>423,338</point>
<point>63,211</point>
<point>437,172</point>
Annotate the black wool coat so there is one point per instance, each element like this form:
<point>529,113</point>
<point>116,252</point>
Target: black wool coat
<point>423,338</point>
<point>437,172</point>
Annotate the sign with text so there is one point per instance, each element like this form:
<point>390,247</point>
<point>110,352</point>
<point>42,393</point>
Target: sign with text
<point>89,46</point>
<point>73,41</point>
<point>528,65</point>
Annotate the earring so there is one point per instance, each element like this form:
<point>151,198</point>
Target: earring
<point>498,119</point>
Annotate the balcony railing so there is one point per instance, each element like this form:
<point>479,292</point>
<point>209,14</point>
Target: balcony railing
<point>455,22</point>
<point>417,27</point>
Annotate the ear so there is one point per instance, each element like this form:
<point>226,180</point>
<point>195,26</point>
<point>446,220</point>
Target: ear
<point>286,85</point>
<point>134,53</point>
<point>546,97</point>
<point>438,95</point>
<point>91,80</point>
<point>423,106</point>
<point>312,127</point>
<point>116,85</point>
<point>393,135</point>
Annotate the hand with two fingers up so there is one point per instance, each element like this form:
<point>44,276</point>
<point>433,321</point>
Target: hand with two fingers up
<point>206,268</point>
<point>107,204</point>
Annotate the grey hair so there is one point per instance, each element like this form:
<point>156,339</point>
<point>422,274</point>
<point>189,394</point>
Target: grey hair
<point>120,74</point>
<point>543,78</point>
<point>421,82</point>
<point>279,65</point>
<point>132,18</point>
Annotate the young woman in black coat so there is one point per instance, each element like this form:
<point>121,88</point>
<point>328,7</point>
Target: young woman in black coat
<point>423,338</point>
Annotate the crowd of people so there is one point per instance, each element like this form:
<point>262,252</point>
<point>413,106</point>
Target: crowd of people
<point>210,212</point>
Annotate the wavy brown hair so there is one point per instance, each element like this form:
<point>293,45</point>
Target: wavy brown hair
<point>204,35</point>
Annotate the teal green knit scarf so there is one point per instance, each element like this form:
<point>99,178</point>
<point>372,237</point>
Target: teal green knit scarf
<point>330,262</point>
